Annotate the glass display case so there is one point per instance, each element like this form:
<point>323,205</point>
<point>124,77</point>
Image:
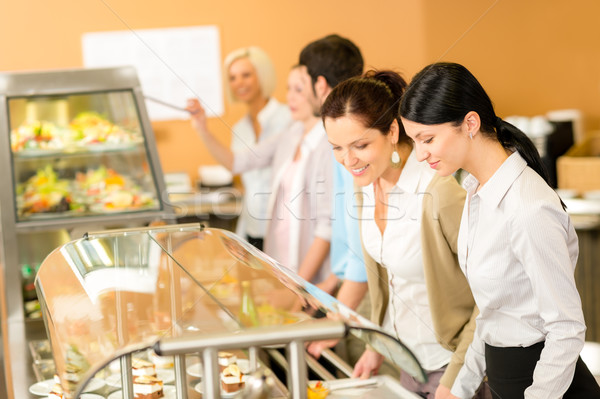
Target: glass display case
<point>200,300</point>
<point>78,153</point>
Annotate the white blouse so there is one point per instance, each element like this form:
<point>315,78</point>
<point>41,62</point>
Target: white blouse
<point>274,119</point>
<point>408,315</point>
<point>518,249</point>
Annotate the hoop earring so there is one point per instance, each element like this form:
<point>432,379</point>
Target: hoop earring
<point>396,161</point>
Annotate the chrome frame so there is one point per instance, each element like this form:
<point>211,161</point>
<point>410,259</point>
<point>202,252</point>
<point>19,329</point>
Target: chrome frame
<point>292,336</point>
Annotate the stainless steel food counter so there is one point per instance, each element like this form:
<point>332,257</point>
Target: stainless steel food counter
<point>115,299</point>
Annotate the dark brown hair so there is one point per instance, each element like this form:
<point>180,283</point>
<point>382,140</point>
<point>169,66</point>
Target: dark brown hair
<point>333,57</point>
<point>373,98</point>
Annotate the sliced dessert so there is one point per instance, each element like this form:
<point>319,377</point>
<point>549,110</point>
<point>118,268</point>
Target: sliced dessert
<point>232,379</point>
<point>141,367</point>
<point>56,392</point>
<point>226,359</point>
<point>147,387</point>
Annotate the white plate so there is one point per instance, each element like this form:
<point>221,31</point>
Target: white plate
<point>169,391</point>
<point>43,388</point>
<point>352,383</point>
<point>101,147</point>
<point>166,376</point>
<point>347,387</point>
<point>195,370</point>
<point>198,388</point>
<point>38,152</point>
<point>90,396</point>
<point>101,208</point>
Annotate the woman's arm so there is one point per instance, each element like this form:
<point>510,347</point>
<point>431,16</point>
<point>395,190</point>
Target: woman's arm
<point>257,156</point>
<point>317,253</point>
<point>351,293</point>
<point>318,187</point>
<point>472,371</point>
<point>545,243</point>
<point>453,309</point>
<point>220,152</point>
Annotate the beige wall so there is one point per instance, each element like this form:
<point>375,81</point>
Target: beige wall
<point>532,56</point>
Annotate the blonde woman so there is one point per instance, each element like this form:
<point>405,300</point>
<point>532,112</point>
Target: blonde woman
<point>251,79</point>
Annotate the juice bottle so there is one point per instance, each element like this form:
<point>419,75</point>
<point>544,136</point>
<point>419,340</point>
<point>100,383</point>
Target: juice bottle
<point>248,315</point>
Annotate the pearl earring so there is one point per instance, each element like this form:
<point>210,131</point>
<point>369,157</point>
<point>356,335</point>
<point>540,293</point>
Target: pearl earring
<point>396,161</point>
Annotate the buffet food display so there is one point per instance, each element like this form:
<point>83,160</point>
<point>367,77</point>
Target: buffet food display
<point>124,293</point>
<point>79,154</point>
<point>88,131</point>
<point>97,190</point>
<point>77,151</point>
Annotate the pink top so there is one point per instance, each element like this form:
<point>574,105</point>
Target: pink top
<point>281,220</point>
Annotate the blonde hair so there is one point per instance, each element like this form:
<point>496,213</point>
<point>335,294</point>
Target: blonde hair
<point>265,71</point>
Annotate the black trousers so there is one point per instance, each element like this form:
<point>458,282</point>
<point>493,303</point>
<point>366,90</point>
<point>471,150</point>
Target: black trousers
<point>256,241</point>
<point>510,372</point>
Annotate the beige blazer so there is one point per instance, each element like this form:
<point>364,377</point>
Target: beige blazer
<point>453,309</point>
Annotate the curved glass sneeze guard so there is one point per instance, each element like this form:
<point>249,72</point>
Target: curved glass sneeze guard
<point>113,293</point>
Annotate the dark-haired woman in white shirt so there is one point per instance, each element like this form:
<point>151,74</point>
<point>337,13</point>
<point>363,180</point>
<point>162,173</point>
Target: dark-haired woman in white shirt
<point>517,245</point>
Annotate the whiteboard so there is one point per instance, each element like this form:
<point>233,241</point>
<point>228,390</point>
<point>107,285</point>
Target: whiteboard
<point>173,65</point>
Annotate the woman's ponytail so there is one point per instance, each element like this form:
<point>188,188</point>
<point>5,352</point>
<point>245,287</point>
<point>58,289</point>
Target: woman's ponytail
<point>512,139</point>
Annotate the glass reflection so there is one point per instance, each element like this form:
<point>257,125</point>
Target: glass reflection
<point>115,293</point>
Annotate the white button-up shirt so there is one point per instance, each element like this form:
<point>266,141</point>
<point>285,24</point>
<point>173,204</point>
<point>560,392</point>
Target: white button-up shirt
<point>408,314</point>
<point>518,249</point>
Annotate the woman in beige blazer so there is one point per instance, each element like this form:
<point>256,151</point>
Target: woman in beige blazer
<point>409,221</point>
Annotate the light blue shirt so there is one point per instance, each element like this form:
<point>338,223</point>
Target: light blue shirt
<point>347,261</point>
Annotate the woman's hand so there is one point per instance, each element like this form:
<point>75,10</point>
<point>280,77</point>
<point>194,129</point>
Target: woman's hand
<point>197,115</point>
<point>443,392</point>
<point>315,348</point>
<point>368,364</point>
<point>220,152</point>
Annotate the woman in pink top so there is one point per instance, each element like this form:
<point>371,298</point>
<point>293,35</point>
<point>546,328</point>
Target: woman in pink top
<point>298,204</point>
